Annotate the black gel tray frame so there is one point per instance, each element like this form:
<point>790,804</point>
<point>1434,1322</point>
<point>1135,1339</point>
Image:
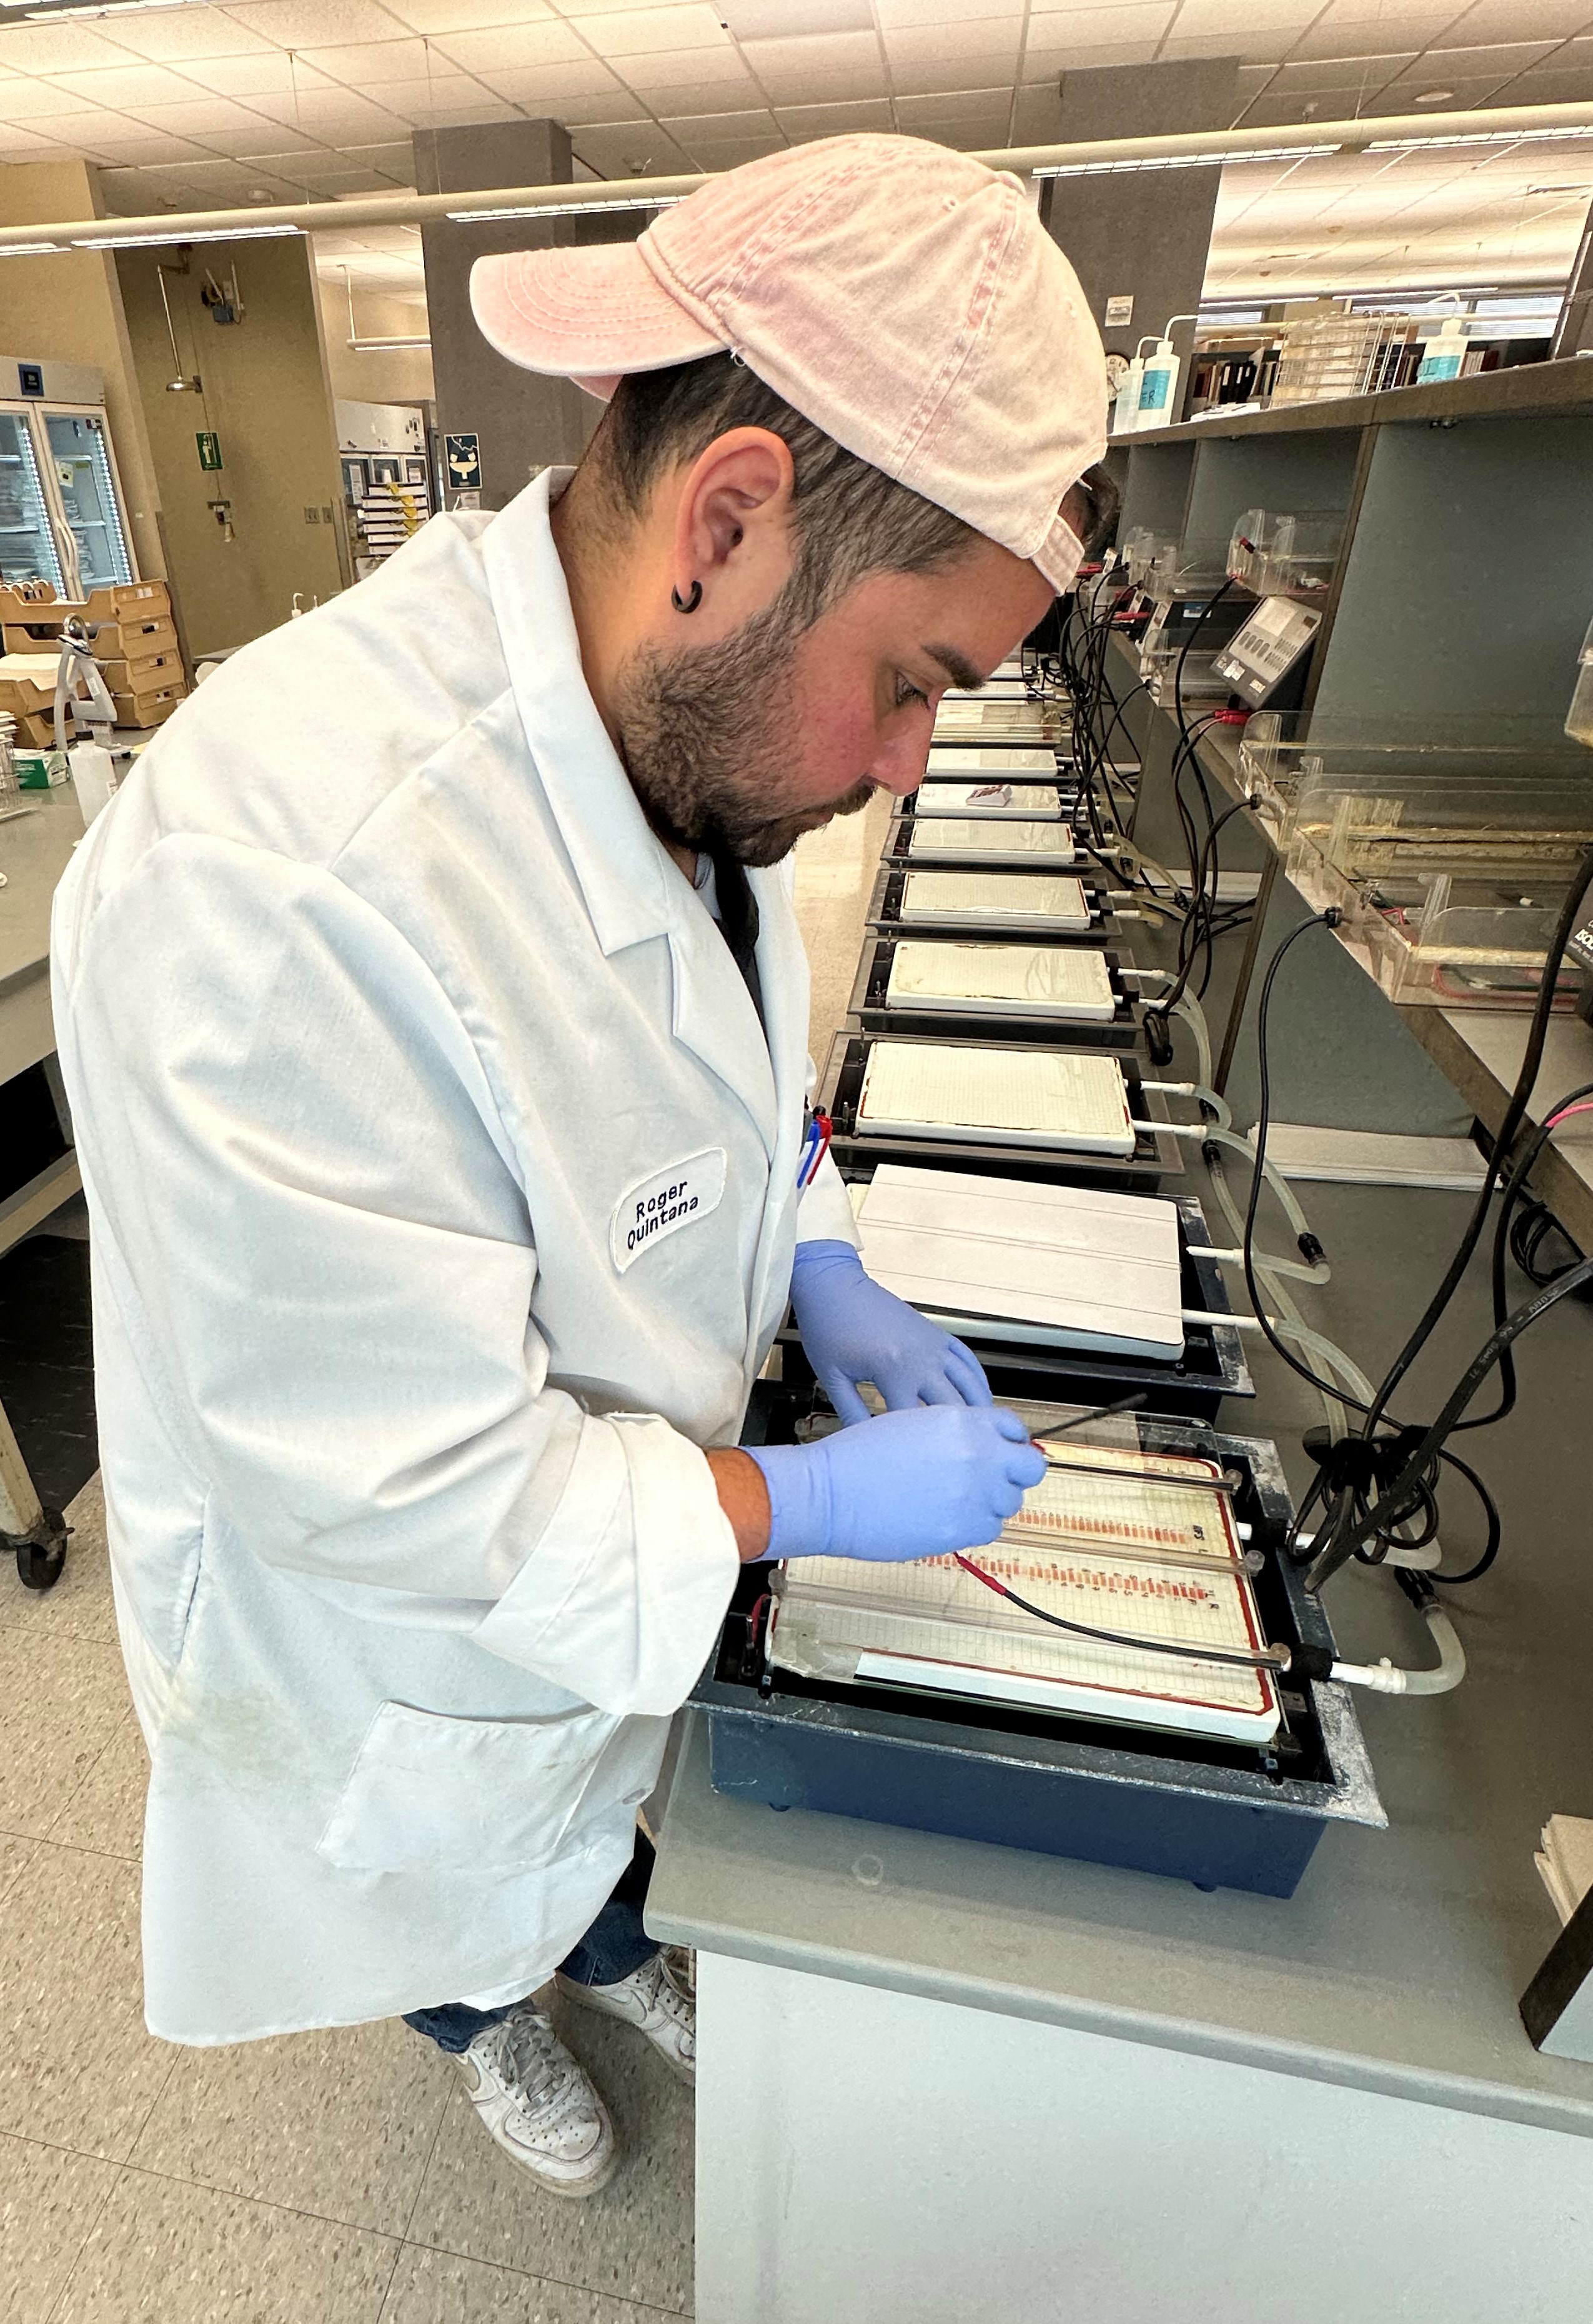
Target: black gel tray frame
<point>870,1007</point>
<point>1156,1153</point>
<point>884,915</point>
<point>1217,1813</point>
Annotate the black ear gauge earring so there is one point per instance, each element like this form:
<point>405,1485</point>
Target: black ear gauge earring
<point>687,604</point>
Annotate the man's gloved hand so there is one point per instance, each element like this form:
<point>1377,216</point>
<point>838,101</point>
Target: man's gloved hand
<point>852,1328</point>
<point>908,1484</point>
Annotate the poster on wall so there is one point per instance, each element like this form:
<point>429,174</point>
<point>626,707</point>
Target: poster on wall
<point>463,462</point>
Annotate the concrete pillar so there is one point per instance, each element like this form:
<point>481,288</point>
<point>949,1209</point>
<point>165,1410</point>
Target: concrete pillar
<point>525,421</point>
<point>1142,234</point>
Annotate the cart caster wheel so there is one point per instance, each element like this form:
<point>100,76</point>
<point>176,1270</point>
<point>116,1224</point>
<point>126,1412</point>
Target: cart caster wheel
<point>40,1557</point>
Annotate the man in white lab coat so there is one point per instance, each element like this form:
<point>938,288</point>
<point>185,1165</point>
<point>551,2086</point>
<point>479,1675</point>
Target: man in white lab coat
<point>434,1019</point>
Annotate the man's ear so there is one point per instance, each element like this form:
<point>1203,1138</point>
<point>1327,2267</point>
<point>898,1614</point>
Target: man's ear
<point>733,520</point>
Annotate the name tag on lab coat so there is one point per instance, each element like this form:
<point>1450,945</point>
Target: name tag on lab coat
<point>665,1202</point>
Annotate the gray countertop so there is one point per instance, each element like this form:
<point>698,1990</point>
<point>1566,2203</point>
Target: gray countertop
<point>35,848</point>
<point>1397,1965</point>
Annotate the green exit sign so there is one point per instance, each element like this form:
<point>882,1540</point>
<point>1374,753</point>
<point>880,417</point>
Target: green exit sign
<point>209,450</point>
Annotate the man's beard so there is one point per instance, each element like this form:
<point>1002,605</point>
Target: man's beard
<point>707,734</point>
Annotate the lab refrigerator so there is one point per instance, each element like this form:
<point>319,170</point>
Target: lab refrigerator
<point>62,517</point>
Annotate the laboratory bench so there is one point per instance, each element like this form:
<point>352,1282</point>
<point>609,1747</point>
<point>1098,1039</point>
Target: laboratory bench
<point>38,832</point>
<point>941,2083</point>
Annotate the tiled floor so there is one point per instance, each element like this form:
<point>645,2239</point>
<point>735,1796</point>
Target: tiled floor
<point>326,2178</point>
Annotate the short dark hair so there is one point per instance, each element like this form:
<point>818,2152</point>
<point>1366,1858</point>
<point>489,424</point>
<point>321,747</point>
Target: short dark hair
<point>1102,499</point>
<point>851,518</point>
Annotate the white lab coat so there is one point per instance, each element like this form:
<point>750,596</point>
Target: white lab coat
<point>443,1201</point>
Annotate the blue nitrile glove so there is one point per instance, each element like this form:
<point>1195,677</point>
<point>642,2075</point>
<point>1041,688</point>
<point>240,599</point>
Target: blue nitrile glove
<point>908,1484</point>
<point>852,1328</point>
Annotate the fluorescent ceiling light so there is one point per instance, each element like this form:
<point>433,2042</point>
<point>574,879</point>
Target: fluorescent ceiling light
<point>1477,137</point>
<point>1182,162</point>
<point>27,249</point>
<point>567,209</point>
<point>179,234</point>
<point>33,11</point>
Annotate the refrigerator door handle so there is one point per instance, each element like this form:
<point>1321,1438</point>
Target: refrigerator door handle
<point>66,541</point>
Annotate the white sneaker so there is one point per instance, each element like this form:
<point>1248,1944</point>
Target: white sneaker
<point>539,2104</point>
<point>648,2000</point>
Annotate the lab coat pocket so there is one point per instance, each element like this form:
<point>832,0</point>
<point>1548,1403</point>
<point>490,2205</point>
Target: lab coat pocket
<point>429,1793</point>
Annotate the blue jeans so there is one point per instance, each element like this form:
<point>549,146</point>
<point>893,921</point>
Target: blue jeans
<point>614,1946</point>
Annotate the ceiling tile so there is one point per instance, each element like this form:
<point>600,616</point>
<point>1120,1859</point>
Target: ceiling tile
<point>692,128</point>
<point>1265,43</point>
<point>33,100</point>
<point>465,15</point>
<point>1546,86</point>
<point>1086,28</point>
<point>397,159</point>
<point>96,132</point>
<point>533,85</point>
<point>267,72</point>
<point>792,86</point>
<point>832,53</point>
<point>208,117</point>
<point>325,111</point>
<point>1347,74</point>
<point>967,104</point>
<point>1396,97</point>
<point>758,20</point>
<point>129,86</point>
<point>151,152</point>
<point>1520,20</point>
<point>992,41</point>
<point>20,144</point>
<point>364,63</point>
<point>729,153</point>
<point>577,9</point>
<point>615,152</point>
<point>573,111</point>
<point>1044,64</point>
<point>173,35</point>
<point>928,79</point>
<point>802,122</point>
<point>895,15</point>
<point>441,86</point>
<point>1341,33</point>
<point>685,67</point>
<point>1241,24</point>
<point>314,24</point>
<point>1495,61</point>
<point>445,105</point>
<point>639,32</point>
<point>55,47</point>
<point>546,43</point>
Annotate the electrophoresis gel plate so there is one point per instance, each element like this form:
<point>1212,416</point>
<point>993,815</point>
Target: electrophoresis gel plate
<point>1033,1097</point>
<point>1150,1552</point>
<point>1002,981</point>
<point>995,839</point>
<point>1003,898</point>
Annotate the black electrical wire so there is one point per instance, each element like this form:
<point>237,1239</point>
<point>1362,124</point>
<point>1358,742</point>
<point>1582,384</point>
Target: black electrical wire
<point>1271,1662</point>
<point>1514,1113</point>
<point>1385,1511</point>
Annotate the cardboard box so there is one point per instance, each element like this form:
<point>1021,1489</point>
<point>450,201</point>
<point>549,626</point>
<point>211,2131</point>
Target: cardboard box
<point>143,673</point>
<point>148,709</point>
<point>128,601</point>
<point>129,640</point>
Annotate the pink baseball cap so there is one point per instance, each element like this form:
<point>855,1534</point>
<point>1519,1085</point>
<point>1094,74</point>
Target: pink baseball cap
<point>904,298</point>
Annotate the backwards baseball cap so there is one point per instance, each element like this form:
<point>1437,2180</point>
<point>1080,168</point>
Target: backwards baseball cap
<point>904,298</point>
